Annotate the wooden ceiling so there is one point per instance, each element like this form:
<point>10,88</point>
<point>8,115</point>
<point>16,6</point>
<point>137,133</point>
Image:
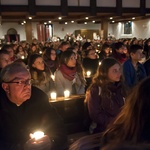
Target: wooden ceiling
<point>16,13</point>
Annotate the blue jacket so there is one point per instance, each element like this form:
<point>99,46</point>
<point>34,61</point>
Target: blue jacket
<point>132,77</point>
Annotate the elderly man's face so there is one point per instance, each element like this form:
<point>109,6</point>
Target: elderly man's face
<point>18,89</point>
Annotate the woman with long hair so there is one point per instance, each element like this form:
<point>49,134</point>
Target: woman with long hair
<point>105,51</point>
<point>50,57</point>
<point>69,75</point>
<point>40,73</point>
<point>132,124</point>
<point>105,96</point>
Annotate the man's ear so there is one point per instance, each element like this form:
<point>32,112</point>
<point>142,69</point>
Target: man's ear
<point>131,54</point>
<point>5,87</point>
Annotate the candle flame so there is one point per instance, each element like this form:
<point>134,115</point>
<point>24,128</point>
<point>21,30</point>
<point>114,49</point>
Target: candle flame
<point>37,135</point>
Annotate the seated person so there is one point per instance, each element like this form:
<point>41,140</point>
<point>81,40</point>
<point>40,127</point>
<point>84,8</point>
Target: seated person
<point>10,51</point>
<point>105,51</point>
<point>4,59</point>
<point>132,124</point>
<point>90,64</point>
<point>40,73</point>
<point>50,59</point>
<point>69,75</point>
<point>119,52</point>
<point>133,70</point>
<point>25,109</point>
<point>105,96</point>
<point>90,61</point>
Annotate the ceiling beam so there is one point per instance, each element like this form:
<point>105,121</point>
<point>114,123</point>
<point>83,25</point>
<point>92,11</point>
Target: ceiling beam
<point>31,7</point>
<point>119,7</point>
<point>143,7</point>
<point>64,7</point>
<point>69,12</point>
<point>93,7</point>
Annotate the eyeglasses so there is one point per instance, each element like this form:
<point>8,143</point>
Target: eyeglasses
<point>26,82</point>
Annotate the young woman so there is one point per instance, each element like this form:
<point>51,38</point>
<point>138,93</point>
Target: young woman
<point>105,96</point>
<point>105,51</point>
<point>69,75</point>
<point>132,124</point>
<point>40,73</point>
<point>50,58</point>
<point>21,53</point>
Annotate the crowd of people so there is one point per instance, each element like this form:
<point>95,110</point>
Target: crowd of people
<point>116,89</point>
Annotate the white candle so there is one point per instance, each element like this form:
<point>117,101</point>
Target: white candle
<point>88,73</point>
<point>53,77</point>
<point>99,63</point>
<point>37,135</point>
<point>40,52</point>
<point>66,93</point>
<point>22,57</point>
<point>53,95</point>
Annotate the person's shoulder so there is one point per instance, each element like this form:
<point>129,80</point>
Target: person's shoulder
<point>147,62</point>
<point>38,94</point>
<point>58,72</point>
<point>86,59</point>
<point>94,88</point>
<point>140,64</point>
<point>127,62</point>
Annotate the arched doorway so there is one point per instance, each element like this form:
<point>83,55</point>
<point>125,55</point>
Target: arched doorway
<point>12,35</point>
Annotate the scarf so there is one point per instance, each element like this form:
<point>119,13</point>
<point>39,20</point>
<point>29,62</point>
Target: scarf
<point>68,72</point>
<point>120,57</point>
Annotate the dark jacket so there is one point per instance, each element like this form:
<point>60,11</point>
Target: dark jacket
<point>90,65</point>
<point>103,111</point>
<point>16,123</point>
<point>147,66</point>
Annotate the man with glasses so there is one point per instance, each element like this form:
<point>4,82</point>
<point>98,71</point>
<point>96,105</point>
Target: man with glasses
<point>25,109</point>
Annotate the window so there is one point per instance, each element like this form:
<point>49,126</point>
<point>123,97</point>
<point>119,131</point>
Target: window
<point>128,27</point>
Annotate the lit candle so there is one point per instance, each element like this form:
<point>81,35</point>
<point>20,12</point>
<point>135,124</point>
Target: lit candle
<point>53,95</point>
<point>66,93</point>
<point>88,73</point>
<point>53,77</point>
<point>37,135</point>
<point>22,57</point>
<point>40,52</point>
<point>99,63</point>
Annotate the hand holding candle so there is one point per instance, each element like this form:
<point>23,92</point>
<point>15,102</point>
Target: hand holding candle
<point>37,135</point>
<point>38,141</point>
